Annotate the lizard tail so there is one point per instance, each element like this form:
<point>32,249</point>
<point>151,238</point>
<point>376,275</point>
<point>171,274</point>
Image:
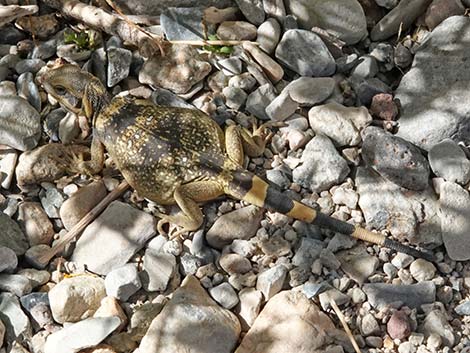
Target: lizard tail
<point>258,192</point>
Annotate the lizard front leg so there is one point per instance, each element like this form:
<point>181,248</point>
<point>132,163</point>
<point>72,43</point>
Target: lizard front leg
<point>187,196</point>
<point>76,164</point>
<point>240,141</point>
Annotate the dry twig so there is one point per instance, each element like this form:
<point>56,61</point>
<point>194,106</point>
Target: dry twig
<point>345,325</point>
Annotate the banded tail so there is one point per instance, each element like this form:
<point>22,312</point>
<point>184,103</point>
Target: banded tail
<point>254,190</point>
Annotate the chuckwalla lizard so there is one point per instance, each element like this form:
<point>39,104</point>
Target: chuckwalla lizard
<point>174,155</point>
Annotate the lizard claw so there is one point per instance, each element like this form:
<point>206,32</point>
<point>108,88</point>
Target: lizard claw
<point>173,233</point>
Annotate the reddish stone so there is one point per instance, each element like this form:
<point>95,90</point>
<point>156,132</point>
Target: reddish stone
<point>398,327</point>
<point>439,10</point>
<point>384,107</point>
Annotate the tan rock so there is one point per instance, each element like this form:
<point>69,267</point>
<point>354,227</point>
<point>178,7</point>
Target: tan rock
<point>35,223</point>
<point>110,307</point>
<point>274,71</point>
<point>291,323</point>
<point>191,322</point>
<point>237,30</point>
<point>87,197</point>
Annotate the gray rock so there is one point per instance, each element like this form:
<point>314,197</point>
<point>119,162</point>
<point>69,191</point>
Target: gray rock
<point>278,177</point>
<point>144,7</point>
<point>252,10</point>
<point>76,298</point>
<point>189,264</point>
<point>119,64</point>
<point>308,91</point>
<point>238,224</point>
<point>158,270</point>
<point>436,323</point>
<point>120,224</point>
<point>36,277</point>
<point>51,200</point>
<point>402,56</point>
<point>282,107</point>
<point>455,217</point>
<point>339,242</point>
<point>366,67</point>
<point>463,308</point>
<point>15,320</point>
<point>269,33</point>
<point>259,99</point>
<point>357,263</point>
<point>179,70</point>
<point>381,201</point>
<point>380,295</point>
<point>449,161</point>
<point>312,290</point>
<point>326,297</point>
<point>244,81</point>
<point>69,128</point>
<point>225,295</point>
<point>270,282</point>
<point>11,235</point>
<point>44,50</point>
<point>29,65</point>
<point>322,166</point>
<point>20,125</point>
<point>72,52</point>
<point>37,305</point>
<point>308,251</point>
<point>99,64</point>
<point>388,4</point>
<point>191,321</point>
<point>234,97</point>
<point>369,325</point>
<point>345,20</point>
<point>123,282</point>
<point>341,124</point>
<point>16,284</point>
<point>8,259</point>
<point>400,18</point>
<point>395,159</point>
<point>305,53</point>
<point>81,335</point>
<point>433,92</point>
<point>367,88</point>
<point>182,23</point>
<point>230,66</point>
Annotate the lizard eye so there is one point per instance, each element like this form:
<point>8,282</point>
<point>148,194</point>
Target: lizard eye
<point>60,90</point>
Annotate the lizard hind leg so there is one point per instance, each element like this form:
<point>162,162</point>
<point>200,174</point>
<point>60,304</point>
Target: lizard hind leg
<point>187,196</point>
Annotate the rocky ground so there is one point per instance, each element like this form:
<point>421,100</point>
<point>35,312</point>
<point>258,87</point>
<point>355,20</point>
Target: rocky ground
<point>374,95</point>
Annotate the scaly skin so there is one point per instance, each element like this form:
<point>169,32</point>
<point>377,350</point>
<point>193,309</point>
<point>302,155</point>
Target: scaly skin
<point>181,156</point>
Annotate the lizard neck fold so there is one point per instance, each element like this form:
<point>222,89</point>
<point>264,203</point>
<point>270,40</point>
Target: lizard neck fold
<point>95,99</point>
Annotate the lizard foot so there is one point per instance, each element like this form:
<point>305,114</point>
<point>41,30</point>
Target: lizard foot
<point>173,233</point>
<point>74,163</point>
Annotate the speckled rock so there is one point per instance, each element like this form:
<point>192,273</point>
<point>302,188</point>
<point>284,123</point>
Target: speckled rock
<point>395,159</point>
<point>8,260</point>
<point>191,321</point>
<point>35,223</point>
<point>11,236</point>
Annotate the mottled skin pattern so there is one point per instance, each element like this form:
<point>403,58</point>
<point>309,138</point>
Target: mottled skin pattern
<point>180,156</point>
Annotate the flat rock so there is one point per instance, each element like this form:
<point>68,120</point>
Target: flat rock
<point>290,320</point>
<point>270,282</point>
<point>83,334</point>
<point>344,20</point>
<point>449,161</point>
<point>184,23</point>
<point>191,321</point>
<point>81,202</point>
<point>357,263</point>
<point>121,225</point>
<point>322,166</point>
<point>12,236</point>
<point>15,320</point>
<point>119,63</point>
<point>236,30</point>
<point>308,91</point>
<point>380,295</point>
<point>180,69</point>
<point>28,90</point>
<point>305,53</point>
<point>341,124</point>
<point>238,224</point>
<point>249,307</point>
<point>35,223</point>
<point>436,323</point>
<point>268,35</point>
<point>259,99</point>
<point>20,125</point>
<point>159,268</point>
<point>8,259</point>
<point>123,282</point>
<point>434,91</point>
<point>225,295</point>
<point>76,298</point>
<point>252,10</point>
<point>406,214</point>
<point>439,10</point>
<point>395,159</point>
<point>399,18</point>
<point>16,284</point>
<point>455,216</point>
<point>144,7</point>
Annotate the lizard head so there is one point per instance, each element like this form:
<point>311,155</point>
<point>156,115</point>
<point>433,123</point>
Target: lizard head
<point>66,80</point>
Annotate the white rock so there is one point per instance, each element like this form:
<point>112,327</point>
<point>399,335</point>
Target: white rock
<point>270,281</point>
<point>249,308</point>
<point>225,295</point>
